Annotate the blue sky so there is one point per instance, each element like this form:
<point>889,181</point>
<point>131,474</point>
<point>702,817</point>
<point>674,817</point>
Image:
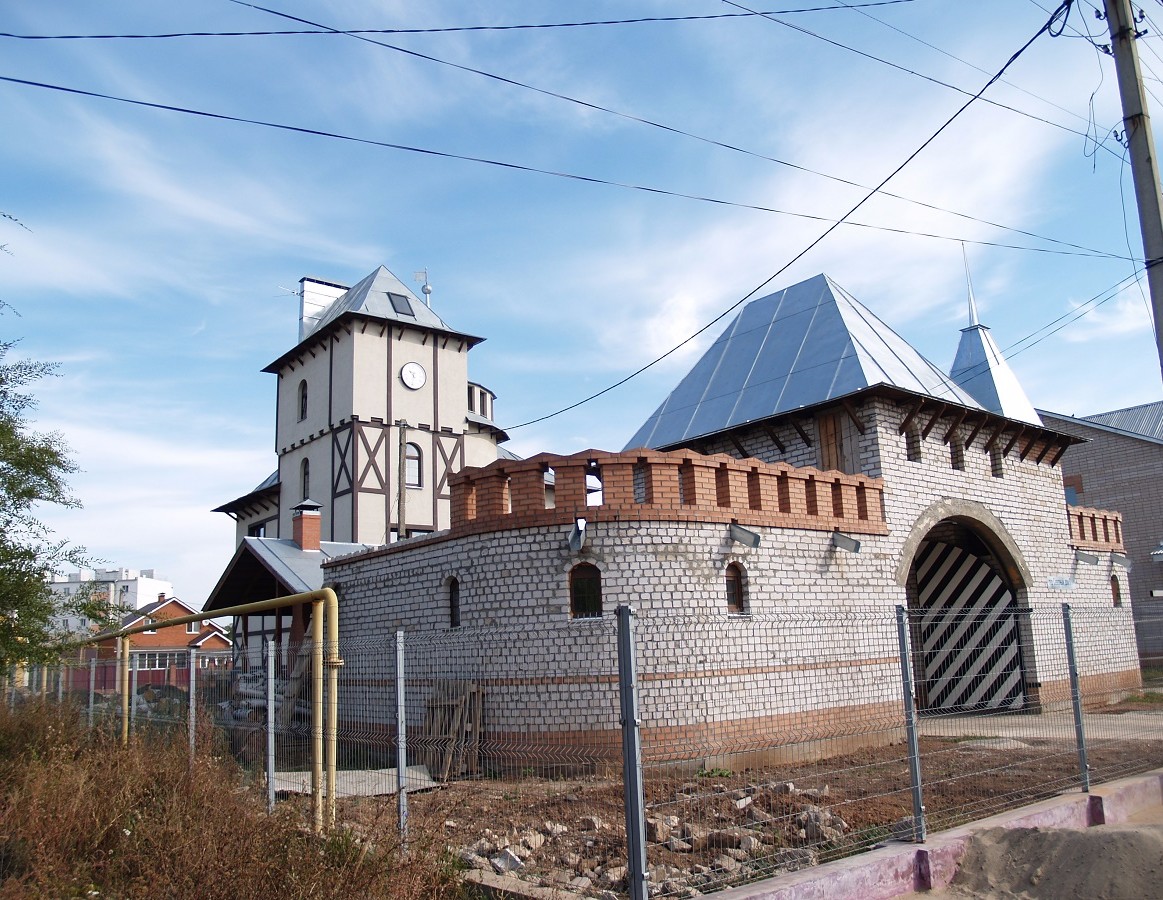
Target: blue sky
<point>160,251</point>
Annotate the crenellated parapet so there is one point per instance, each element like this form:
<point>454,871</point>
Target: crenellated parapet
<point>647,485</point>
<point>1095,529</point>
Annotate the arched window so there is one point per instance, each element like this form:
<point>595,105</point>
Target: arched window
<point>736,603</point>
<point>1116,591</point>
<point>412,466</point>
<point>302,400</point>
<point>585,592</point>
<point>453,603</point>
<point>305,478</point>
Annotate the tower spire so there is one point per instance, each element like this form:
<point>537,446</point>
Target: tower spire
<point>973,320</point>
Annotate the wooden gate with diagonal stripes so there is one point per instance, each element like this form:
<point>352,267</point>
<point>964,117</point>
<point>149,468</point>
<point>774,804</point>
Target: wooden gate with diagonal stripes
<point>967,627</point>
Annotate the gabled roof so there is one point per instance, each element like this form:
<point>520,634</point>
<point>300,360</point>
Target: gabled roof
<point>264,568</point>
<point>802,346</point>
<point>380,296</point>
<point>1145,419</point>
<point>983,372</point>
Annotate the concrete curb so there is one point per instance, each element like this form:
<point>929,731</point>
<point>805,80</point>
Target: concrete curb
<point>901,869</point>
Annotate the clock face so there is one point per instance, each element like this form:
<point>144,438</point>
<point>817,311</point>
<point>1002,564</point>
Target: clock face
<point>413,375</point>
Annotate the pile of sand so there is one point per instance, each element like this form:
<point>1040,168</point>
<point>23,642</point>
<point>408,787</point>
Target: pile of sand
<point>1110,862</point>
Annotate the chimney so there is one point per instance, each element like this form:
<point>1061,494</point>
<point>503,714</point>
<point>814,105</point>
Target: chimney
<point>161,596</point>
<point>315,295</point>
<point>305,524</point>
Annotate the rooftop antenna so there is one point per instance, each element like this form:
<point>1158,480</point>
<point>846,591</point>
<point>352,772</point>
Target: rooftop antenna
<point>426,290</point>
<point>973,320</point>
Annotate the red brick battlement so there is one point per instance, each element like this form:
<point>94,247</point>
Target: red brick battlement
<point>646,485</point>
<point>1095,529</point>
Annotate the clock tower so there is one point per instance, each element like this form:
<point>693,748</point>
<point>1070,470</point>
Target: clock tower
<point>375,410</point>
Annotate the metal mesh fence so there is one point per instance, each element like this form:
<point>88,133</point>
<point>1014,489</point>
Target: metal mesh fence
<point>767,743</point>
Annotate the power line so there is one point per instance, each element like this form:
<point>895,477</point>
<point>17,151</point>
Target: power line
<point>667,128</point>
<point>442,30</point>
<point>878,59</point>
<point>572,176</point>
<point>956,58</point>
<point>1063,11</point>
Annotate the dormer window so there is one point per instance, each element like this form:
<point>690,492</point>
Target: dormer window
<point>302,400</point>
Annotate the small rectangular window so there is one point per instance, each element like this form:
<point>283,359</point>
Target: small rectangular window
<point>402,305</point>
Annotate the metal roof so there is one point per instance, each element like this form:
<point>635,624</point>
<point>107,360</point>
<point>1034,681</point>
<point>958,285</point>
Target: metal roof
<point>381,295</point>
<point>802,346</point>
<point>262,567</point>
<point>1145,419</point>
<point>983,372</point>
<point>295,567</point>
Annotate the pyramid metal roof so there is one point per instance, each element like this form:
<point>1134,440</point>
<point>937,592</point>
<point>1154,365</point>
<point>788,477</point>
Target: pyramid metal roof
<point>381,296</point>
<point>983,372</point>
<point>808,344</point>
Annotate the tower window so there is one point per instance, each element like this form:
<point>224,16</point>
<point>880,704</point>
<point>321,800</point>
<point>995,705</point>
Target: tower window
<point>305,478</point>
<point>585,592</point>
<point>453,603</point>
<point>736,603</point>
<point>1116,591</point>
<point>412,466</point>
<point>302,400</point>
<point>997,462</point>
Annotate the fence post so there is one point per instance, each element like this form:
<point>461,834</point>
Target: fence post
<point>632,791</point>
<point>192,698</point>
<point>914,746</point>
<point>92,689</point>
<point>134,663</point>
<point>1076,699</point>
<point>270,755</point>
<point>401,742</point>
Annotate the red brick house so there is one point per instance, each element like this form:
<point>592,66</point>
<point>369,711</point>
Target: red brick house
<point>162,655</point>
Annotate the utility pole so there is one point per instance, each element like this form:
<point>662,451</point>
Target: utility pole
<point>1144,164</point>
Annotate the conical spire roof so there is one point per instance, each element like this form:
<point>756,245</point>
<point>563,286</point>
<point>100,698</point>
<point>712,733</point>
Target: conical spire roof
<point>981,370</point>
<point>804,345</point>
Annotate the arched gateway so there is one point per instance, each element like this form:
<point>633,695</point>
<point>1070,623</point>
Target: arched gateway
<point>967,613</point>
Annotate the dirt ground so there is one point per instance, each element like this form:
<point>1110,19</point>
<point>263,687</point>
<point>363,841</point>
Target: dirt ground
<point>863,795</point>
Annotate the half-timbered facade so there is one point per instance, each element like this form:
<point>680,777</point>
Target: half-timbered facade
<point>374,412</point>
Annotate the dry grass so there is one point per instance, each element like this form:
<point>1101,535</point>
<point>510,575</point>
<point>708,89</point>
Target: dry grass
<point>82,817</point>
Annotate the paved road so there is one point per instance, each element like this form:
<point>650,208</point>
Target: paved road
<point>1057,725</point>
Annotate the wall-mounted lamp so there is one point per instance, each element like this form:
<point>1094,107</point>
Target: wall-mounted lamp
<point>844,542</point>
<point>744,536</point>
<point>1120,560</point>
<point>1091,559</point>
<point>577,535</point>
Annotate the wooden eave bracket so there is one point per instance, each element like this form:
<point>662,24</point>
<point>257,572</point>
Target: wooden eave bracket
<point>1063,446</point>
<point>936,417</point>
<point>997,433</point>
<point>1029,446</point>
<point>773,437</point>
<point>956,424</point>
<point>1017,437</point>
<point>737,445</point>
<point>975,432</point>
<point>800,431</point>
<point>1045,450</point>
<point>854,415</point>
<point>917,407</point>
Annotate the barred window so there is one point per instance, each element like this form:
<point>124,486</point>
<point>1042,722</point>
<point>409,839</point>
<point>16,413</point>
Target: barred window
<point>585,592</point>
